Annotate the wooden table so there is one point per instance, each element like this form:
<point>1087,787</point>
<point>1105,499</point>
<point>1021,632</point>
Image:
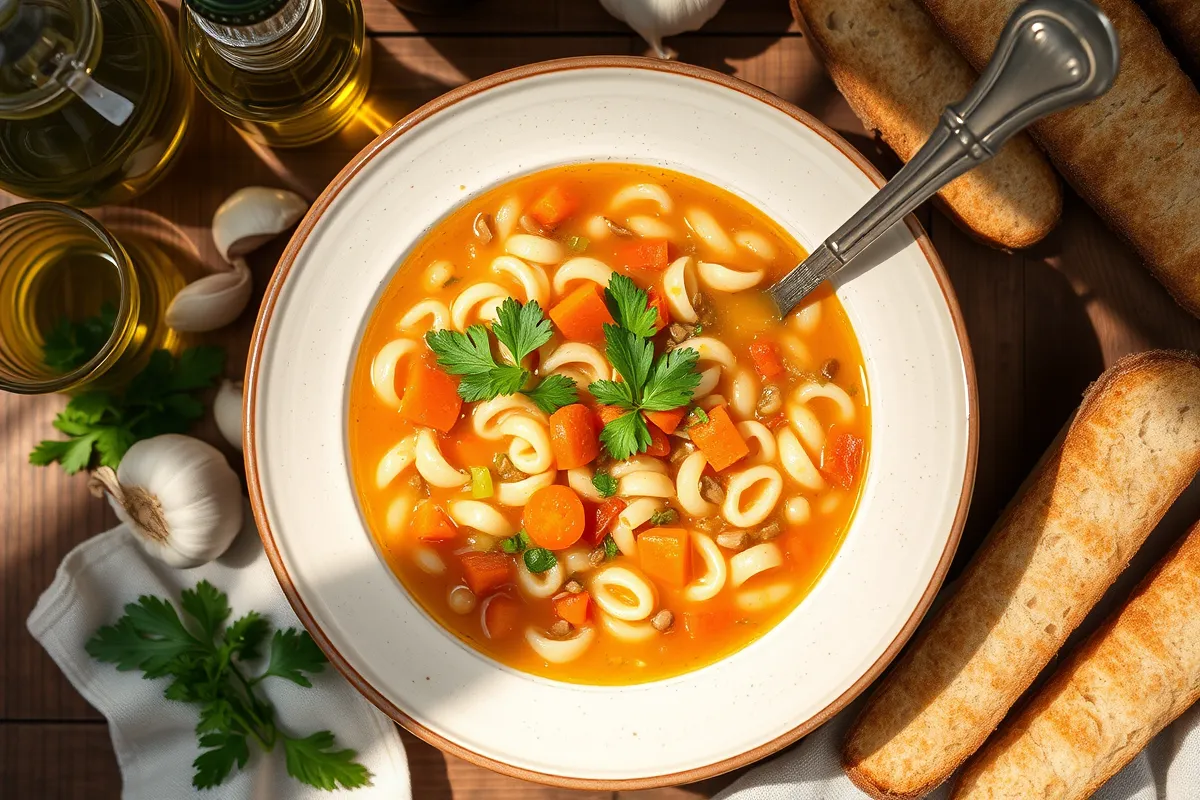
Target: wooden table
<point>1043,324</point>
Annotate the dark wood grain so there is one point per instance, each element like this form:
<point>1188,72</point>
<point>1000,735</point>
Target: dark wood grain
<point>1042,325</point>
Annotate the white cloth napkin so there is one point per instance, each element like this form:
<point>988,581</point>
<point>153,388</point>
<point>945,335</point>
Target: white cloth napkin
<point>154,737</point>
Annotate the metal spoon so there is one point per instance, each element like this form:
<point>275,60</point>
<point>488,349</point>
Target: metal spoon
<point>1053,54</point>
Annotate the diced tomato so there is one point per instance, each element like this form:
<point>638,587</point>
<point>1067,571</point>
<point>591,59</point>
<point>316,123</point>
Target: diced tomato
<point>657,301</point>
<point>841,459</point>
<point>660,445</point>
<point>765,355</point>
<point>606,517</point>
<point>502,616</point>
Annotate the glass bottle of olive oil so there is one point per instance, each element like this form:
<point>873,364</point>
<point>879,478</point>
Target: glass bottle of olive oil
<point>94,102</point>
<point>287,73</point>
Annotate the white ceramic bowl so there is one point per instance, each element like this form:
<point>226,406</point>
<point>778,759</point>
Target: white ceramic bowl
<point>780,687</point>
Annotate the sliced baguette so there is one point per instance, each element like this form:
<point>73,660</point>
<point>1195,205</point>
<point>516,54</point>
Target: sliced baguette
<point>898,72</point>
<point>1179,21</point>
<point>1088,506</point>
<point>1131,679</point>
<point>1134,153</point>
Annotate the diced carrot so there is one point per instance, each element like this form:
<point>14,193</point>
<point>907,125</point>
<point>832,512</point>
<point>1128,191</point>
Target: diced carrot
<point>606,517</point>
<point>719,439</point>
<point>841,459</point>
<point>430,396</point>
<point>573,436</point>
<point>486,572</point>
<point>660,445</point>
<point>665,554</point>
<point>572,607</point>
<point>702,624</point>
<point>609,413</point>
<point>667,421</point>
<point>658,301</point>
<point>765,355</point>
<point>646,254</point>
<point>431,524</point>
<point>502,616</point>
<point>553,206</point>
<point>581,315</point>
<point>553,517</point>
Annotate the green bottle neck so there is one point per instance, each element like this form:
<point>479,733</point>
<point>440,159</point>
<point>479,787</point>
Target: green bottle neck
<point>267,44</point>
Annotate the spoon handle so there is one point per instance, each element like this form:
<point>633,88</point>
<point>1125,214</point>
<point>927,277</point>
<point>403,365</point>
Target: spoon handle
<point>1053,54</point>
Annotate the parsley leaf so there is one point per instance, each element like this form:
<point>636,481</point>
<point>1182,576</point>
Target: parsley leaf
<point>213,766</point>
<point>516,543</point>
<point>521,328</point>
<point>699,415</point>
<point>69,345</point>
<point>613,393</point>
<point>672,381</point>
<point>626,435</point>
<point>462,353</point>
<point>631,355</point>
<point>611,550</point>
<point>507,379</point>
<point>630,307</point>
<point>245,635</point>
<point>292,654</point>
<point>552,393</point>
<point>313,760</point>
<point>664,517</point>
<point>539,559</point>
<point>605,484</point>
<point>208,606</point>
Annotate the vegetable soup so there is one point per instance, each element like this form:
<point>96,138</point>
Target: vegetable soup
<point>584,440</point>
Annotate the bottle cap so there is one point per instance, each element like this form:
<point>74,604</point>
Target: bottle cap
<point>235,13</point>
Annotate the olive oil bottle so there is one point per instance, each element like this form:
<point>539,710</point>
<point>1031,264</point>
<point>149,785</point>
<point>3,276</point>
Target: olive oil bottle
<point>287,73</point>
<point>94,100</point>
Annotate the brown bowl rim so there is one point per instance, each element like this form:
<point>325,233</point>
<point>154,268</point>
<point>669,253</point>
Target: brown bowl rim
<point>267,309</point>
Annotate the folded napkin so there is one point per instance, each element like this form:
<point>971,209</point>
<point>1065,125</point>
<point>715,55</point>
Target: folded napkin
<point>154,737</point>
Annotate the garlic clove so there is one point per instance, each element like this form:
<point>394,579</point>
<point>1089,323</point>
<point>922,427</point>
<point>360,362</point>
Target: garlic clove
<point>654,19</point>
<point>227,411</point>
<point>211,302</point>
<point>253,215</point>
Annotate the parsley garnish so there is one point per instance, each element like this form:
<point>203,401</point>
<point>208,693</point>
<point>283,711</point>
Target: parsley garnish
<point>521,329</point>
<point>605,484</point>
<point>205,665</point>
<point>69,345</point>
<point>160,399</point>
<point>699,415</point>
<point>611,550</point>
<point>539,559</point>
<point>516,543</point>
<point>664,517</point>
<point>650,383</point>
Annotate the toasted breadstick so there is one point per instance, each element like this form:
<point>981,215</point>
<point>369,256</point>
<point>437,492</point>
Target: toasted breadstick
<point>1134,153</point>
<point>898,72</point>
<point>1179,20</point>
<point>1088,506</point>
<point>1134,676</point>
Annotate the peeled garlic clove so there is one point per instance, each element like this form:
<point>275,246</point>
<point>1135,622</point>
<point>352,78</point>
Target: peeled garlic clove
<point>211,302</point>
<point>227,411</point>
<point>253,215</point>
<point>178,495</point>
<point>654,19</point>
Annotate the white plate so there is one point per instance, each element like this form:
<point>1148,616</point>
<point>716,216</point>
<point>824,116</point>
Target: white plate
<point>839,638</point>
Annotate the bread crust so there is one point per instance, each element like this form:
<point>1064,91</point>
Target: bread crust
<point>1181,20</point>
<point>898,72</point>
<point>1127,682</point>
<point>1134,153</point>
<point>1132,447</point>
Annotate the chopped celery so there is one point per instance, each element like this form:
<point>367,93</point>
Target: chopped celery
<point>481,483</point>
<point>577,244</point>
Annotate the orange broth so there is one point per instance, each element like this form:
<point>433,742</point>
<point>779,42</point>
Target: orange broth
<point>701,632</point>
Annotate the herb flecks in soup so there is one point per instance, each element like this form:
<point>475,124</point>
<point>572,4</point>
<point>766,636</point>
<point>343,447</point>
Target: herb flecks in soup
<point>582,439</point>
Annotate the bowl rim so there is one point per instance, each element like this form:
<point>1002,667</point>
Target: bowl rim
<point>254,485</point>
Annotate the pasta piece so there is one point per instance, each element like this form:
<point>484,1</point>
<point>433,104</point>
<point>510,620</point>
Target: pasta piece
<point>762,501</point>
<point>623,593</point>
<point>642,192</point>
<point>709,380</point>
<point>711,401</point>
<point>530,448</point>
<point>433,466</point>
<point>438,275</point>
<point>713,351</point>
<point>461,600</point>
<point>710,584</point>
<point>795,350</point>
<point>481,517</point>
<point>723,279</point>
<point>797,510</point>
<point>395,461</point>
<point>532,278</point>
<point>576,561</point>
<point>687,486</point>
<point>796,462</point>
<point>626,631</point>
<point>743,393</point>
<point>581,269</point>
<point>710,232</point>
<point>829,391</point>
<point>433,310</point>
<point>384,366</point>
<point>762,598</point>
<point>829,503</point>
<point>540,585</point>
<point>596,228</point>
<point>596,366</point>
<point>650,227</point>
<point>637,464</point>
<point>507,217</point>
<point>484,297</point>
<point>517,493</point>
<point>537,249</point>
<point>754,431</point>
<point>580,479</point>
<point>635,514</point>
<point>646,484</point>
<point>679,286</point>
<point>756,243</point>
<point>806,318</point>
<point>428,560</point>
<point>395,519</point>
<point>487,416</point>
<point>560,651</point>
<point>806,425</point>
<point>752,561</point>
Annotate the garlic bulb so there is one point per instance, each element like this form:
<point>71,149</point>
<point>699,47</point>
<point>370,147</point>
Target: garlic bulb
<point>211,302</point>
<point>227,410</point>
<point>654,19</point>
<point>178,495</point>
<point>252,216</point>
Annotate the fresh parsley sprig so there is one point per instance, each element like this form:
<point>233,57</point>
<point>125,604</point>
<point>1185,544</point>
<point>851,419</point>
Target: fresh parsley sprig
<point>69,344</point>
<point>521,329</point>
<point>205,660</point>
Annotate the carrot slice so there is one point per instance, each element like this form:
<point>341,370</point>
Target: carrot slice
<point>553,517</point>
<point>574,437</point>
<point>572,607</point>
<point>667,421</point>
<point>660,445</point>
<point>842,458</point>
<point>719,439</point>
<point>765,355</point>
<point>646,254</point>
<point>665,554</point>
<point>606,517</point>
<point>658,301</point>
<point>501,617</point>
<point>581,315</point>
<point>486,572</point>
<point>553,207</point>
<point>702,624</point>
<point>431,524</point>
<point>430,396</point>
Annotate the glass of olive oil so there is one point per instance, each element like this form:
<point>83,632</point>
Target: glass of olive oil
<point>78,308</point>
